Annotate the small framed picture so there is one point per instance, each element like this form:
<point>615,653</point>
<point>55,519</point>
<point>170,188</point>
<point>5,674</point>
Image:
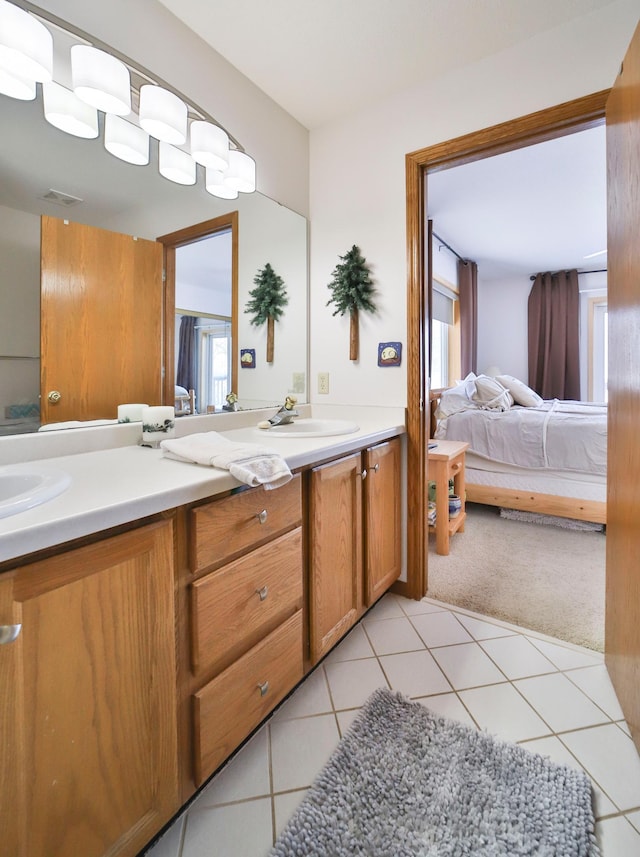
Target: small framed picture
<point>389,353</point>
<point>247,358</point>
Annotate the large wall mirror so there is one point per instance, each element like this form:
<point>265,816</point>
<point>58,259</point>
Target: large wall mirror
<point>44,171</point>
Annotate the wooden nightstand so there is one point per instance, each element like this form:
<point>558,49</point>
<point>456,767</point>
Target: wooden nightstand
<point>446,461</point>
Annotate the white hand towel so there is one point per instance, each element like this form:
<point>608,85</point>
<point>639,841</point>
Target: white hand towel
<point>248,462</point>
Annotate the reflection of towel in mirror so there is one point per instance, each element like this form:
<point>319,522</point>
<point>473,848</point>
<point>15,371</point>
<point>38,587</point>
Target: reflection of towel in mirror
<point>248,462</point>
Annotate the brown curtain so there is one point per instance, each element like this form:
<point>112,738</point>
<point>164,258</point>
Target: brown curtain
<point>186,369</point>
<point>554,361</point>
<point>468,298</point>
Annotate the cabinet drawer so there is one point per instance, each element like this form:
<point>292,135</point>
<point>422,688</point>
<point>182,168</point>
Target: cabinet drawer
<point>227,709</point>
<point>233,608</point>
<point>224,529</point>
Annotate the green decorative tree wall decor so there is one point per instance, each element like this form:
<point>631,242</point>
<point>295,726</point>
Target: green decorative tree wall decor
<point>267,302</point>
<point>352,290</point>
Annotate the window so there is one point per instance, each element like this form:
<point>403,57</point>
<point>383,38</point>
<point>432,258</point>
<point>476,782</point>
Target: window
<point>214,362</point>
<point>598,349</point>
<point>445,335</point>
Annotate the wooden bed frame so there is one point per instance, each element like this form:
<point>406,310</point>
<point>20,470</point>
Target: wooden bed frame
<point>527,501</point>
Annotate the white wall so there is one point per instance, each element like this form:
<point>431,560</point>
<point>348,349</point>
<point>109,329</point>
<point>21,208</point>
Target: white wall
<point>358,177</point>
<point>147,33</point>
<point>502,326</point>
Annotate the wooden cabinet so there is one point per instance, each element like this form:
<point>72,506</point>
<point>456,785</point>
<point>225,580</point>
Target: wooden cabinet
<point>88,702</point>
<point>246,616</point>
<point>354,539</point>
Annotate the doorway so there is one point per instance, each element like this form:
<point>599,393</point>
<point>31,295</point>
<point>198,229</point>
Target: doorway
<point>544,125</point>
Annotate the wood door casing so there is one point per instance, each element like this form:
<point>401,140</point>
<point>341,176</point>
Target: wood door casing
<point>622,622</point>
<point>89,699</point>
<point>101,321</point>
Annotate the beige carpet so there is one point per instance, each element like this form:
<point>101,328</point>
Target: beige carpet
<point>543,578</point>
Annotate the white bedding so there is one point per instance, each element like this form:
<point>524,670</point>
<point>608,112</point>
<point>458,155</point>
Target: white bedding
<point>559,435</point>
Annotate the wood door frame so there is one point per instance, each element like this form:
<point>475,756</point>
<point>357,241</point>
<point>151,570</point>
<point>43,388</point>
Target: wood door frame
<point>171,241</point>
<point>557,121</point>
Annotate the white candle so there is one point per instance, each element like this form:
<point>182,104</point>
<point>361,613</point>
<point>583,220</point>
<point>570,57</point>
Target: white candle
<point>131,413</point>
<point>158,423</point>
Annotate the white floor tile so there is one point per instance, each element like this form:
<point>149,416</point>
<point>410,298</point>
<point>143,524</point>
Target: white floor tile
<point>440,629</point>
<point>560,702</point>
<point>412,608</point>
<point>352,682</point>
<point>299,750</point>
<point>238,830</point>
<point>517,657</point>
<point>388,636</point>
<point>312,697</point>
<point>595,682</point>
<point>482,630</point>
<point>387,607</point>
<point>617,838</point>
<point>501,710</point>
<point>448,705</point>
<point>611,759</point>
<point>284,805</point>
<point>355,645</point>
<point>171,843</point>
<point>553,747</point>
<point>414,674</point>
<point>467,666</point>
<point>346,718</point>
<point>564,657</point>
<point>245,776</point>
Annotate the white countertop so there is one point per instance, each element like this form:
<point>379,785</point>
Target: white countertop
<point>123,483</point>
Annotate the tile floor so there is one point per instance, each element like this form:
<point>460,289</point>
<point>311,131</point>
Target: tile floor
<point>549,696</point>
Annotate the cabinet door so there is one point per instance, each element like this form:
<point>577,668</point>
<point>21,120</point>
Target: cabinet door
<point>335,551</point>
<point>382,517</point>
<point>88,706</point>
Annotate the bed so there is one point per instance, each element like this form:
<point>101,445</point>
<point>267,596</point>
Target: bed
<point>527,454</point>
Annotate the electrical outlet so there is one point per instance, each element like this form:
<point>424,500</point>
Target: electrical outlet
<point>298,382</point>
<point>323,382</point>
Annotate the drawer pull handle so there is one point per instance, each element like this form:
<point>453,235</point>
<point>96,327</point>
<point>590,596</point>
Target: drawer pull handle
<point>9,633</point>
<point>262,593</point>
<point>362,474</point>
<point>375,468</point>
<point>456,466</point>
<point>262,516</point>
<point>263,688</point>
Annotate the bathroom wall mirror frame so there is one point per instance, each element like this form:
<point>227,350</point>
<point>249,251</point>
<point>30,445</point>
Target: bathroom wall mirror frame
<point>44,171</point>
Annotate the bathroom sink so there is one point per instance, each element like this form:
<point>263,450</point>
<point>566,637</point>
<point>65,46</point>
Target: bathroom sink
<point>23,486</point>
<point>310,427</point>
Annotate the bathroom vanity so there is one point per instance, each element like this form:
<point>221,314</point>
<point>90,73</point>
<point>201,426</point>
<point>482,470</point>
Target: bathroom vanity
<point>165,611</point>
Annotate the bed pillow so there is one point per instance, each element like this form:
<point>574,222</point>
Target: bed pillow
<point>455,399</point>
<point>522,395</point>
<point>490,394</point>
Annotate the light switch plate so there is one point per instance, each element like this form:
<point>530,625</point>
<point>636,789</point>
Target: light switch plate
<point>323,382</point>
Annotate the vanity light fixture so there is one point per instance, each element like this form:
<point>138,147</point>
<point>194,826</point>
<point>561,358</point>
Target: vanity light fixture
<point>21,88</point>
<point>125,140</point>
<point>163,114</point>
<point>64,110</point>
<point>214,184</point>
<point>209,144</point>
<point>241,172</point>
<point>26,45</point>
<point>176,164</point>
<point>100,80</point>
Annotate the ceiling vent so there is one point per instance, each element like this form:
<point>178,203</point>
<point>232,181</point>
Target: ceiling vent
<point>57,197</point>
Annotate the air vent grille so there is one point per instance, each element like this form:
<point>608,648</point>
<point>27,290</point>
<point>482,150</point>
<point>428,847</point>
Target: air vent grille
<point>57,197</point>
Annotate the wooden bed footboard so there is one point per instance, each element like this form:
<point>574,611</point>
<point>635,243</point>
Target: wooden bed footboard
<point>544,504</point>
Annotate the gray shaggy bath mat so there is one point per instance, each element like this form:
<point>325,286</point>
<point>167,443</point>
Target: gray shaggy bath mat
<point>404,781</point>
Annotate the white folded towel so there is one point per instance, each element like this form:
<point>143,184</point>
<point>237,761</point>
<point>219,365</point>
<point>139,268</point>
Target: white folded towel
<point>248,462</point>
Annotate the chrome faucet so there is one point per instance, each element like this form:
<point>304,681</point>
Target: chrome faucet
<point>286,413</point>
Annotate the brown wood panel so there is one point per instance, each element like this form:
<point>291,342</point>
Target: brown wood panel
<point>101,321</point>
<point>225,528</point>
<point>335,551</point>
<point>382,517</point>
<point>533,128</point>
<point>622,623</point>
<point>531,501</point>
<point>95,676</point>
<point>233,608</point>
<point>227,709</point>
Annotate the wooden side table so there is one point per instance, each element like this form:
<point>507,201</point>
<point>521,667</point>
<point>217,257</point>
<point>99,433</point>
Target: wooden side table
<point>446,461</point>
